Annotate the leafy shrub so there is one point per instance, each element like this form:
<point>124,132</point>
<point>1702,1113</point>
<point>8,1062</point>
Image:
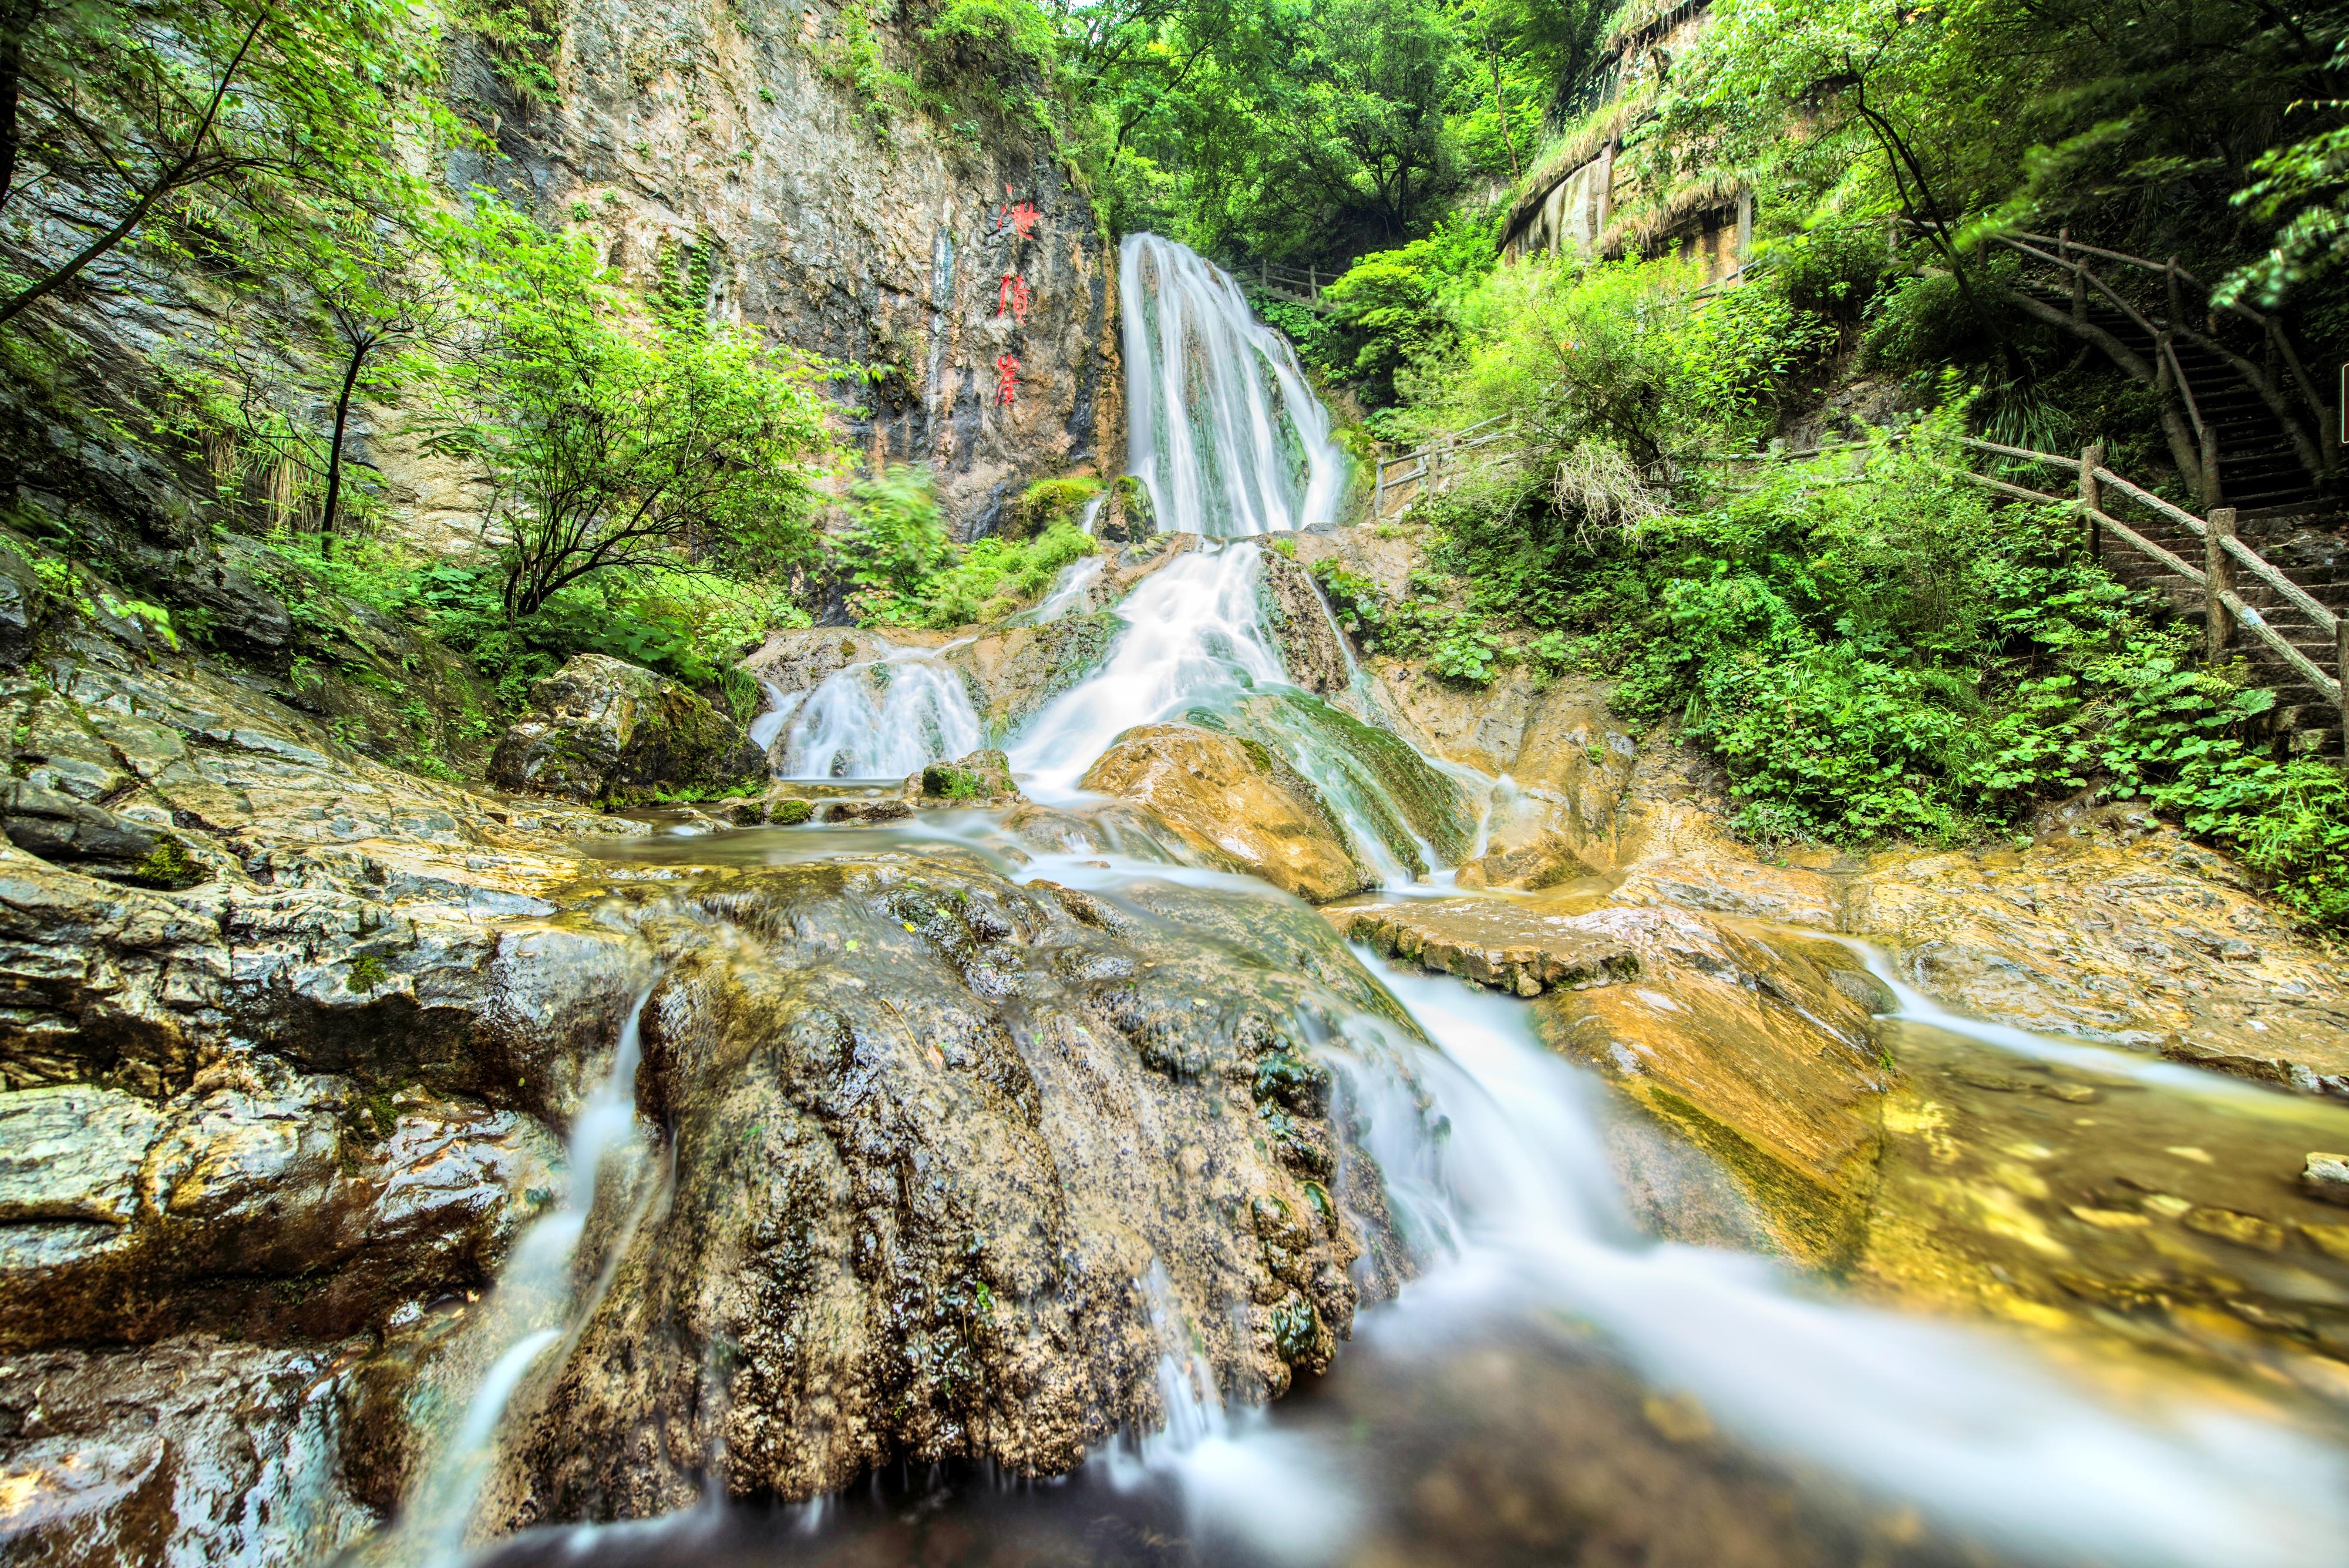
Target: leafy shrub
<point>996,577</point>
<point>896,541</point>
<point>907,572</point>
<point>1392,310</point>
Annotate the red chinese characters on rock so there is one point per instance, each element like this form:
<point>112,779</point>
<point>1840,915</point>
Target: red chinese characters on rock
<point>1019,218</point>
<point>1012,297</point>
<point>1006,366</point>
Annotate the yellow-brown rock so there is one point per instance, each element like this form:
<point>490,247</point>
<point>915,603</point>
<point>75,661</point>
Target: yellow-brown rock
<point>1751,1046</point>
<point>2115,927</point>
<point>1228,796</point>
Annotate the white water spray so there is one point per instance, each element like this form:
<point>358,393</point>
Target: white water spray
<point>528,1311</point>
<point>882,719</point>
<point>1224,430</point>
<point>1195,634</point>
<point>1967,1426</point>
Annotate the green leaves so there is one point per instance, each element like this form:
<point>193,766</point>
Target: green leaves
<point>612,442</point>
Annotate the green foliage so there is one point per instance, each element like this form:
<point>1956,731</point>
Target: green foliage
<point>1000,54</point>
<point>369,972</point>
<point>1396,309</point>
<point>906,571</point>
<point>1047,503</point>
<point>1295,131</point>
<point>1609,379</point>
<point>895,542</point>
<point>522,42</point>
<point>996,577</point>
<point>2129,123</point>
<point>201,129</point>
<point>2303,188</point>
<point>677,445</point>
<point>1884,655</point>
<point>851,58</point>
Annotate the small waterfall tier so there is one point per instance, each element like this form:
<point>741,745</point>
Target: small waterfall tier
<point>878,719</point>
<point>1223,430</point>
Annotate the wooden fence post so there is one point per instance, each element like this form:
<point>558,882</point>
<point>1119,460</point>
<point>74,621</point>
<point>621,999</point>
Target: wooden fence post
<point>1379,491</point>
<point>2341,669</point>
<point>2217,568</point>
<point>2092,499</point>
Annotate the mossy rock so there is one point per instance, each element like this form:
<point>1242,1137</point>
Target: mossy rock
<point>607,731</point>
<point>973,780</point>
<point>1046,502</point>
<point>168,865</point>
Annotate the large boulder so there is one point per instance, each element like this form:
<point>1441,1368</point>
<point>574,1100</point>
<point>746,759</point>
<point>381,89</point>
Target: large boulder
<point>1229,795</point>
<point>951,1164</point>
<point>602,730</point>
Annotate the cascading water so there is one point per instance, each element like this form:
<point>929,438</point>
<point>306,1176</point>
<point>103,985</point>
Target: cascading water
<point>1195,636</point>
<point>1224,432</point>
<point>879,719</point>
<point>1197,647</point>
<point>534,1301</point>
<point>1497,1165</point>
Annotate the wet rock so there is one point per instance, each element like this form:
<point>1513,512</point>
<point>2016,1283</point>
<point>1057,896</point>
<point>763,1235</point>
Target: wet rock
<point>933,1135</point>
<point>1508,947</point>
<point>603,731</point>
<point>1564,762</point>
<point>1126,517</point>
<point>261,1199</point>
<point>1311,649</point>
<point>2114,928</point>
<point>1016,671</point>
<point>1742,1040</point>
<point>1543,860</point>
<point>197,1449</point>
<point>2326,1175</point>
<point>56,827</point>
<point>863,811</point>
<point>1366,777</point>
<point>1233,795</point>
<point>24,604</point>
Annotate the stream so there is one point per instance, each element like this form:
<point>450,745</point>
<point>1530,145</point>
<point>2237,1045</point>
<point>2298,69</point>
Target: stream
<point>1599,1360</point>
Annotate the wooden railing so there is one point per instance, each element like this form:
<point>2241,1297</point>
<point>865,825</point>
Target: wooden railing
<point>2224,609</point>
<point>2305,420</point>
<point>1302,284</point>
<point>2276,339</point>
<point>1432,467</point>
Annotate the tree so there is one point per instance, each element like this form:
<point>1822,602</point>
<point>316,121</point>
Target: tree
<point>115,113</point>
<point>378,297</point>
<point>609,444</point>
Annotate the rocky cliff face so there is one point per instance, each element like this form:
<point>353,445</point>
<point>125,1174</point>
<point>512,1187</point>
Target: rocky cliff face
<point>731,148</point>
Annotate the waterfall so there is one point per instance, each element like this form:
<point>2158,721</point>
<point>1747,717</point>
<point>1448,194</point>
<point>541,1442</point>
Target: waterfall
<point>529,1309</point>
<point>1222,428</point>
<point>1195,634</point>
<point>882,719</point>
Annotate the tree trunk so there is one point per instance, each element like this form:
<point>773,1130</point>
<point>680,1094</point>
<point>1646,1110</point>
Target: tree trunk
<point>335,453</point>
